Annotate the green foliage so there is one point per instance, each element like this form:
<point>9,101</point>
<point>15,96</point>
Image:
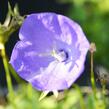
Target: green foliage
<point>27,98</point>
<point>12,23</point>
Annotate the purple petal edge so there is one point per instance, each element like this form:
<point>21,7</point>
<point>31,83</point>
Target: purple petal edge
<point>31,57</point>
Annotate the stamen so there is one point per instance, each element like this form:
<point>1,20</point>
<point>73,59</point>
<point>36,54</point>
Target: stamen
<point>60,55</point>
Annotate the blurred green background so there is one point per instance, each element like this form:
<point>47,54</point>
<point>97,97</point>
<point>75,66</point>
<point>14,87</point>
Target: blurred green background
<point>93,16</point>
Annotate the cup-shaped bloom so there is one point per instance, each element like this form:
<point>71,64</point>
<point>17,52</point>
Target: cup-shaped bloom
<point>51,52</point>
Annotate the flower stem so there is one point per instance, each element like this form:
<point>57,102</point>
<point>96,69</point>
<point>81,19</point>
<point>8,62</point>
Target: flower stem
<point>29,91</point>
<point>8,78</point>
<point>82,103</point>
<point>12,71</point>
<point>92,76</point>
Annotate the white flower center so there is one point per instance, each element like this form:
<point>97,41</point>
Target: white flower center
<point>61,55</point>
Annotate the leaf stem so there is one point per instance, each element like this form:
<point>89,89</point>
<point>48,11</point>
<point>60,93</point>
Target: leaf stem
<point>92,76</point>
<point>82,103</point>
<point>8,78</point>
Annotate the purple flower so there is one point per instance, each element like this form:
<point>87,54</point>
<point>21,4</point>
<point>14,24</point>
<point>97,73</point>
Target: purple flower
<point>51,52</point>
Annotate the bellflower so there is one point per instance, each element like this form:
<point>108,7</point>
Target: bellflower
<point>51,52</point>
